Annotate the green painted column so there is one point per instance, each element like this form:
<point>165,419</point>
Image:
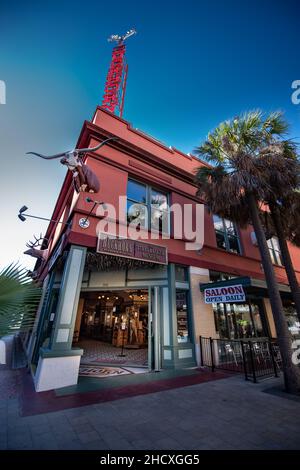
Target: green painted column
<point>33,354</point>
<point>156,328</point>
<point>177,354</point>
<point>66,311</point>
<point>172,303</point>
<point>58,364</point>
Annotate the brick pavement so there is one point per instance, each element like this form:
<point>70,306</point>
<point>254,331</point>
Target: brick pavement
<point>223,414</point>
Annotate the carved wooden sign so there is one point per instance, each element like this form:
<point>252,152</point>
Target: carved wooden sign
<point>134,249</point>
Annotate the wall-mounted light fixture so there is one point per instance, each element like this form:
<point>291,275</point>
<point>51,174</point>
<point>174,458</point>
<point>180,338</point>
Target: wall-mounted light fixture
<point>23,215</point>
<point>84,221</point>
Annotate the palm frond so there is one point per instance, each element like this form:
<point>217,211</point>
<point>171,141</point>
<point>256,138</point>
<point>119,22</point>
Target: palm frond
<point>19,299</point>
<point>249,156</point>
<point>275,124</point>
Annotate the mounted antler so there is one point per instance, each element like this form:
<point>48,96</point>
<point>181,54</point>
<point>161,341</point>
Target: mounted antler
<point>37,241</point>
<point>40,254</point>
<point>33,274</point>
<point>47,157</point>
<point>93,149</point>
<point>83,177</point>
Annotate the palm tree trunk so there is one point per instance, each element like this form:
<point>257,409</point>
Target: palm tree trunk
<point>291,371</point>
<point>286,257</point>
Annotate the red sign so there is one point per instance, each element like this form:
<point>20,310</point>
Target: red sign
<point>111,98</point>
<point>133,249</point>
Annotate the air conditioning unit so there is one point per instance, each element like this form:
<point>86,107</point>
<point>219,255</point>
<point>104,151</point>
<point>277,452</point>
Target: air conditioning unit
<point>253,239</point>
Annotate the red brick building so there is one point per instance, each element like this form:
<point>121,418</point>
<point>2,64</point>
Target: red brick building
<point>94,301</point>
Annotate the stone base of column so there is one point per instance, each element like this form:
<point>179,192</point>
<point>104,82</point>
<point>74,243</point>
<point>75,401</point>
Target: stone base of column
<point>57,369</point>
<point>180,356</point>
<point>6,345</point>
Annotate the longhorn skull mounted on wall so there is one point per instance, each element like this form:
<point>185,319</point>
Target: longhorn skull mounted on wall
<point>84,178</point>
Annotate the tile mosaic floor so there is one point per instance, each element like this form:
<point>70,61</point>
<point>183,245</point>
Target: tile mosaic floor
<point>98,352</point>
<point>102,372</point>
<point>87,370</point>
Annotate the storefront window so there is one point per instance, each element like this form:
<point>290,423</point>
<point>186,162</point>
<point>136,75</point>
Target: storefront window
<point>291,318</point>
<point>274,250</point>
<point>226,234</point>
<point>258,326</point>
<point>221,320</point>
<point>147,207</point>
<point>182,316</point>
<point>237,321</point>
<point>241,322</point>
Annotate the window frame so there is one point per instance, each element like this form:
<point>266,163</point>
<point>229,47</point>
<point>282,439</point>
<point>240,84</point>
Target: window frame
<point>134,201</point>
<point>225,234</point>
<point>186,292</point>
<point>186,274</point>
<point>251,302</point>
<point>275,253</point>
<point>149,188</point>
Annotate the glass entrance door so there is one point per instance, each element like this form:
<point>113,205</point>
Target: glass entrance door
<point>112,327</point>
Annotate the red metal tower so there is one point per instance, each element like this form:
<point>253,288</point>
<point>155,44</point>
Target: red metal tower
<point>115,85</point>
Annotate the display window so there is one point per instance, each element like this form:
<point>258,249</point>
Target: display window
<point>239,320</point>
<point>291,318</point>
<point>182,316</point>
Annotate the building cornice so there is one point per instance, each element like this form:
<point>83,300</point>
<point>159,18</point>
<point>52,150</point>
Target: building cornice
<point>93,131</point>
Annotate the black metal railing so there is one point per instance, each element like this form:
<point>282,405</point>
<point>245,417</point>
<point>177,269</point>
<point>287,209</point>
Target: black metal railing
<point>254,357</point>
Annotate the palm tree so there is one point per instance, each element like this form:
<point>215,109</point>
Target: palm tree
<point>233,189</point>
<point>280,221</point>
<point>19,299</point>
<point>281,177</point>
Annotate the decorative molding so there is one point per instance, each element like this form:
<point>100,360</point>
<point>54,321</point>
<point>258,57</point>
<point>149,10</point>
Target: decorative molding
<point>167,354</point>
<point>185,353</point>
<point>62,335</point>
<point>151,172</point>
<point>199,271</point>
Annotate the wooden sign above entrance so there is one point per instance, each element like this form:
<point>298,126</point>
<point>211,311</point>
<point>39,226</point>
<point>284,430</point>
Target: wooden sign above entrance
<point>234,293</point>
<point>134,249</point>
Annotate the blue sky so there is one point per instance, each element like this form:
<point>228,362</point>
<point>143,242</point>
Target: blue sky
<point>192,65</point>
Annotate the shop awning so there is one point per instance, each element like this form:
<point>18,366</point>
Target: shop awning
<point>249,283</point>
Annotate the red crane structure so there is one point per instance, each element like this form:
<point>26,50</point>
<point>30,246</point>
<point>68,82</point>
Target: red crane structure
<point>115,85</point>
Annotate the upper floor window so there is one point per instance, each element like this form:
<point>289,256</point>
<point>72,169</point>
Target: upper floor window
<point>226,234</point>
<point>274,250</point>
<point>216,276</point>
<point>147,207</point>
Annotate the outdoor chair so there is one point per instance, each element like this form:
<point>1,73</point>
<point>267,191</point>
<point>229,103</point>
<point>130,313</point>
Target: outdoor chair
<point>277,355</point>
<point>230,350</point>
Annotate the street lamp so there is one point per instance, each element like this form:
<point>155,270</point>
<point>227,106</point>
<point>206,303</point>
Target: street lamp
<point>83,222</point>
<point>22,216</point>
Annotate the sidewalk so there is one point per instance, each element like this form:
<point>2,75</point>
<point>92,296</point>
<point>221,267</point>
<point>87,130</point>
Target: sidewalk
<point>222,414</point>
